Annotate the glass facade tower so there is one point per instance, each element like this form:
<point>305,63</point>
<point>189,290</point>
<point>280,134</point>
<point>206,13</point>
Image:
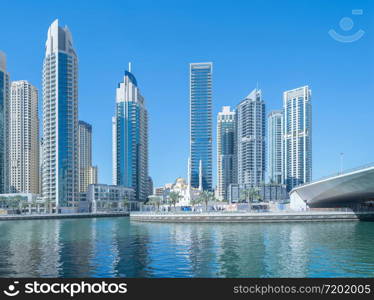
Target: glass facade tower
<point>275,144</point>
<point>130,138</point>
<point>297,136</point>
<point>226,169</point>
<point>60,120</point>
<point>200,168</point>
<point>4,121</point>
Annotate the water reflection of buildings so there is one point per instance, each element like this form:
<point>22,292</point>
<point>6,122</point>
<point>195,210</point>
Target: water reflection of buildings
<point>112,247</point>
<point>29,249</point>
<point>285,250</point>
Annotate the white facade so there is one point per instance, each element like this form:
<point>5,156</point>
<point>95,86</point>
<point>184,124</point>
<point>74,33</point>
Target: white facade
<point>60,120</point>
<point>275,144</point>
<point>250,122</point>
<point>297,136</point>
<point>24,138</point>
<point>104,197</point>
<point>226,170</point>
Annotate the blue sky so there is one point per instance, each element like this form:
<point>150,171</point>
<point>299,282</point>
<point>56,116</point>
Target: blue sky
<point>280,44</point>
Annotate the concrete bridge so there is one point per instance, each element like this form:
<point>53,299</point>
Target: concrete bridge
<point>349,189</point>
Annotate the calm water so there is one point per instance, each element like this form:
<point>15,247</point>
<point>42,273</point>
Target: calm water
<point>116,247</point>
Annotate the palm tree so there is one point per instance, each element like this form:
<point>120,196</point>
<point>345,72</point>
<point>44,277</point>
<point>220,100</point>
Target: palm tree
<point>174,198</point>
<point>155,200</point>
<point>196,200</point>
<point>125,203</point>
<point>23,205</point>
<point>248,195</point>
<point>15,203</point>
<point>206,197</point>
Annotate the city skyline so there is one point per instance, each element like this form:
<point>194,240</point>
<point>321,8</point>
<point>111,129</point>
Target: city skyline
<point>329,94</point>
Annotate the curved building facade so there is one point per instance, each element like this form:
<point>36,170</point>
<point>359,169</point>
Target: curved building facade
<point>130,138</point>
<point>347,189</point>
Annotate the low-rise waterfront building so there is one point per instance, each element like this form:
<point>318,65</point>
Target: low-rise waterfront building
<point>104,197</point>
<point>16,203</point>
<point>264,193</point>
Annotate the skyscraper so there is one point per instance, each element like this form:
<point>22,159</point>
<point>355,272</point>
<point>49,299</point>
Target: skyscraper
<point>130,138</point>
<point>4,121</point>
<point>24,138</point>
<point>275,150</point>
<point>60,120</point>
<point>87,173</point>
<point>226,170</point>
<point>200,168</point>
<point>250,122</point>
<point>297,136</point>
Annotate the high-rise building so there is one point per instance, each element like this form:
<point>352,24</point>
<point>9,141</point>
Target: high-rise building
<point>297,136</point>
<point>275,146</point>
<point>200,168</point>
<point>130,138</point>
<point>250,123</point>
<point>60,120</point>
<point>4,121</point>
<point>226,170</point>
<point>150,186</point>
<point>41,151</point>
<point>24,138</point>
<point>93,175</point>
<point>87,173</point>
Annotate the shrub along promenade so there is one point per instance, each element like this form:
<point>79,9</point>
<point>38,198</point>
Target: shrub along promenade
<point>250,217</point>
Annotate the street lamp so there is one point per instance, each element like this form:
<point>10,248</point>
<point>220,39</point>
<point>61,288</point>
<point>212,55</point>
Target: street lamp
<point>341,162</point>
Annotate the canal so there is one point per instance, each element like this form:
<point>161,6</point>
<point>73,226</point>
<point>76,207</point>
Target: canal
<point>118,247</point>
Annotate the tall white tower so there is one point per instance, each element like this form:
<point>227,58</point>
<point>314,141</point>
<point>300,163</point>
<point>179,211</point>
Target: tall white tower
<point>250,122</point>
<point>24,138</point>
<point>60,120</point>
<point>297,136</point>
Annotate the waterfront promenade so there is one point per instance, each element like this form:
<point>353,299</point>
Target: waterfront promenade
<point>248,217</point>
<point>62,216</point>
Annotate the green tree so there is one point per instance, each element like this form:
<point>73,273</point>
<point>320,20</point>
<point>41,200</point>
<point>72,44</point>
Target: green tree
<point>196,200</point>
<point>126,203</point>
<point>249,195</point>
<point>156,201</point>
<point>206,197</point>
<point>23,205</point>
<point>14,203</point>
<point>174,198</point>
